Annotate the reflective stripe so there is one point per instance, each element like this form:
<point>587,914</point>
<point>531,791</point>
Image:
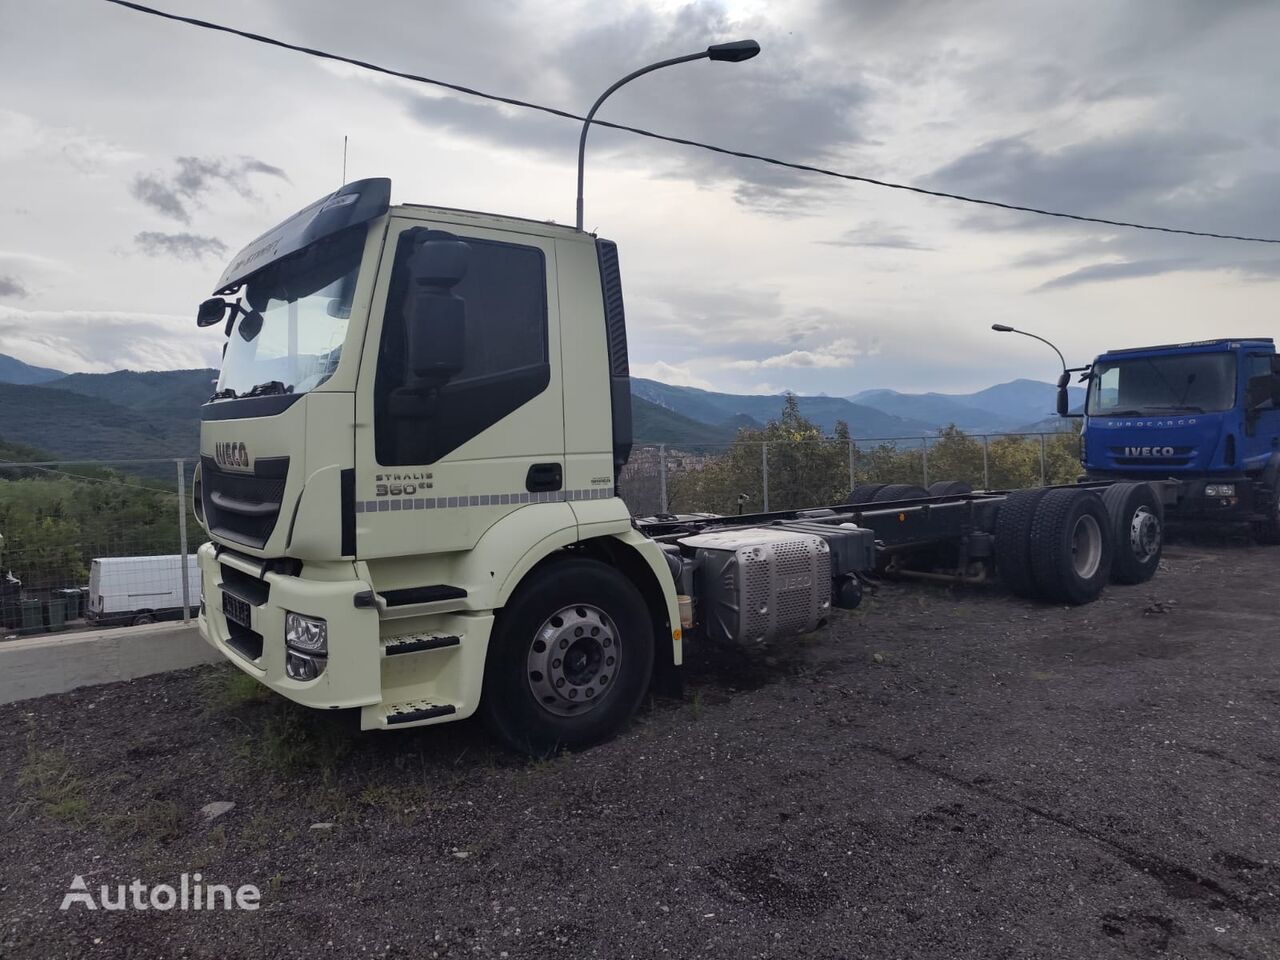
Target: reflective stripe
<point>386,504</point>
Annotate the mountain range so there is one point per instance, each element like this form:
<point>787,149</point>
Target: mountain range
<point>132,415</point>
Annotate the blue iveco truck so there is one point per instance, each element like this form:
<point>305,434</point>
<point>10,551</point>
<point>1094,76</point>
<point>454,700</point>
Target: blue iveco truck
<point>1205,415</point>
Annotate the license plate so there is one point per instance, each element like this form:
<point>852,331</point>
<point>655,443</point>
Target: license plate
<point>236,610</point>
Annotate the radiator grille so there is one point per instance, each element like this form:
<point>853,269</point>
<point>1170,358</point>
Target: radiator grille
<point>262,490</point>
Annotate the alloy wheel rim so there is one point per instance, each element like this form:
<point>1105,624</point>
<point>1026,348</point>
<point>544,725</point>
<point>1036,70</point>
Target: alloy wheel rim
<point>573,660</point>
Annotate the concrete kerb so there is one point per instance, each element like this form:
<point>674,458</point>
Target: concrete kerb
<point>55,663</point>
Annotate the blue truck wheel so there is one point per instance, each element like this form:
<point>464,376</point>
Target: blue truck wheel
<point>1137,519</point>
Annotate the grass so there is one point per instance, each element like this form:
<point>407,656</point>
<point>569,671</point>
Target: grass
<point>55,789</point>
<point>225,688</point>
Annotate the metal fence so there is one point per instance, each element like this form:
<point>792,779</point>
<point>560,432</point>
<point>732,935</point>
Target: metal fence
<point>125,527</point>
<point>61,520</point>
<point>753,476</point>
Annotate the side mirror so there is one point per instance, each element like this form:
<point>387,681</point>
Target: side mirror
<point>250,326</point>
<point>210,312</point>
<point>435,316</point>
<point>1064,398</point>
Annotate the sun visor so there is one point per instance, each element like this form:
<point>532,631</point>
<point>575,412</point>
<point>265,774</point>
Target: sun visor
<point>354,204</point>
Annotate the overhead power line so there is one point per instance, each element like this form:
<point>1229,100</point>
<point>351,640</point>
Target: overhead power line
<point>724,151</point>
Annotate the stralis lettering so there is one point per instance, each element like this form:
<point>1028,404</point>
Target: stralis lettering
<point>231,454</point>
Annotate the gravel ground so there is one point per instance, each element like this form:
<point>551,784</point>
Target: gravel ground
<point>943,773</point>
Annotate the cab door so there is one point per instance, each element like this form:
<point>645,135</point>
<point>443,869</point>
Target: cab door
<point>1261,419</point>
<point>435,469</point>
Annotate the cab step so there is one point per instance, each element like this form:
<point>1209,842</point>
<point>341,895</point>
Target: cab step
<point>415,711</point>
<point>412,643</point>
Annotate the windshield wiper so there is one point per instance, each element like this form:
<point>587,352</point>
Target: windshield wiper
<point>224,394</point>
<point>1189,408</point>
<point>269,389</point>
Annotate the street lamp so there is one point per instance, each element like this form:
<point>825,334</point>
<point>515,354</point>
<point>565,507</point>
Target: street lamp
<point>734,52</point>
<point>1005,328</point>
<point>1064,380</point>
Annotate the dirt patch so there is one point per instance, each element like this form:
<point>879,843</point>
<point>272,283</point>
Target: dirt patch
<point>943,773</point>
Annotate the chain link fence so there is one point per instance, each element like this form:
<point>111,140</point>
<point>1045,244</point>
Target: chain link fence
<point>114,542</point>
<point>102,543</point>
<point>753,476</point>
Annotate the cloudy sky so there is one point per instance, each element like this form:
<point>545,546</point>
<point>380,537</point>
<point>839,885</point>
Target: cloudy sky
<point>138,154</point>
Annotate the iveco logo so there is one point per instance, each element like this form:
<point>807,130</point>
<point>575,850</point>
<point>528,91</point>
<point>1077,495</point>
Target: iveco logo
<point>231,454</point>
<point>1148,451</point>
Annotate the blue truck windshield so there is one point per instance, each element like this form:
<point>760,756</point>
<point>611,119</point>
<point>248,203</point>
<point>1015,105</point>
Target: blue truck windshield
<point>299,311</point>
<point>1141,386</point>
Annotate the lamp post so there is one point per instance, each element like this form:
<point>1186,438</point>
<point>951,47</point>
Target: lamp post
<point>1005,328</point>
<point>734,52</point>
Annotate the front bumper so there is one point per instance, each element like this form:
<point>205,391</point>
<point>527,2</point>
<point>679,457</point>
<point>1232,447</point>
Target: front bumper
<point>405,667</point>
<point>351,677</point>
<point>1190,502</point>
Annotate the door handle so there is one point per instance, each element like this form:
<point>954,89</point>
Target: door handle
<point>543,477</point>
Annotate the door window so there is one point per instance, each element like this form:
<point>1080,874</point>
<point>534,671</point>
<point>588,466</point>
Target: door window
<point>505,363</point>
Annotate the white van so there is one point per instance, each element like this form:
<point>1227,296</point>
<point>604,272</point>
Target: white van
<point>141,589</point>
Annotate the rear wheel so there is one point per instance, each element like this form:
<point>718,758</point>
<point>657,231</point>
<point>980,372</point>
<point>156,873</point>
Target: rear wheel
<point>570,658</point>
<point>949,488</point>
<point>144,618</point>
<point>899,491</point>
<point>1071,546</point>
<point>863,493</point>
<point>1013,540</point>
<point>1137,527</point>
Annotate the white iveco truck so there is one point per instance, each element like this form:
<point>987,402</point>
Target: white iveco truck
<point>409,476</point>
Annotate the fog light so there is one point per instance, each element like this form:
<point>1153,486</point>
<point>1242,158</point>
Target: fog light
<point>306,634</point>
<point>300,667</point>
<point>1219,489</point>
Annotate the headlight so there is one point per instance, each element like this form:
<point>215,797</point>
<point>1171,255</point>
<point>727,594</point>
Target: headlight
<point>306,634</point>
<point>1219,489</point>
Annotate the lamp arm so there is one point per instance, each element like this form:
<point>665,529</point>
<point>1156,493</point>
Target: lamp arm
<point>586,125</point>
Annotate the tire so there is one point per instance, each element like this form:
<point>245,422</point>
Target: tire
<point>949,488</point>
<point>1071,546</point>
<point>1013,540</point>
<point>144,618</point>
<point>1268,531</point>
<point>1137,531</point>
<point>863,493</point>
<point>899,491</point>
<point>533,700</point>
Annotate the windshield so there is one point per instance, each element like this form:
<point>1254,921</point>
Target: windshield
<point>290,338</point>
<point>1190,383</point>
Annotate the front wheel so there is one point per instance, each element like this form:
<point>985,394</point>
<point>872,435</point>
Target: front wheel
<point>570,658</point>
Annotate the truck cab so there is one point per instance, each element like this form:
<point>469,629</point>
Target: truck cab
<point>1205,414</point>
<point>420,412</point>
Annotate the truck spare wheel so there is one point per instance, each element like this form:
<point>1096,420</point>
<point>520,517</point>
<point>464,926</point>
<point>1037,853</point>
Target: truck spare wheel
<point>1013,540</point>
<point>1071,546</point>
<point>864,492</point>
<point>1138,531</point>
<point>949,488</point>
<point>899,491</point>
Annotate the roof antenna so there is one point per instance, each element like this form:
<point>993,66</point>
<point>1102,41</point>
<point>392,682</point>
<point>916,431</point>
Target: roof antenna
<point>344,160</point>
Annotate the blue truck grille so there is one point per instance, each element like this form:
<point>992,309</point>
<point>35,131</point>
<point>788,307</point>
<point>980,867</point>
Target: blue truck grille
<point>1151,456</point>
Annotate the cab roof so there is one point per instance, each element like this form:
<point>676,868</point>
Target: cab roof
<point>1194,346</point>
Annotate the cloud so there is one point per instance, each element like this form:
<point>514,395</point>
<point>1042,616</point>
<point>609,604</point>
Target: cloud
<point>836,354</point>
<point>669,373</point>
<point>174,195</point>
<point>876,234</point>
<point>1118,271</point>
<point>12,287</point>
<point>183,246</point>
<point>102,341</point>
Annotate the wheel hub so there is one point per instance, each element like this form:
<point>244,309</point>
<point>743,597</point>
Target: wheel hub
<point>1144,534</point>
<point>573,660</point>
<point>1086,546</point>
